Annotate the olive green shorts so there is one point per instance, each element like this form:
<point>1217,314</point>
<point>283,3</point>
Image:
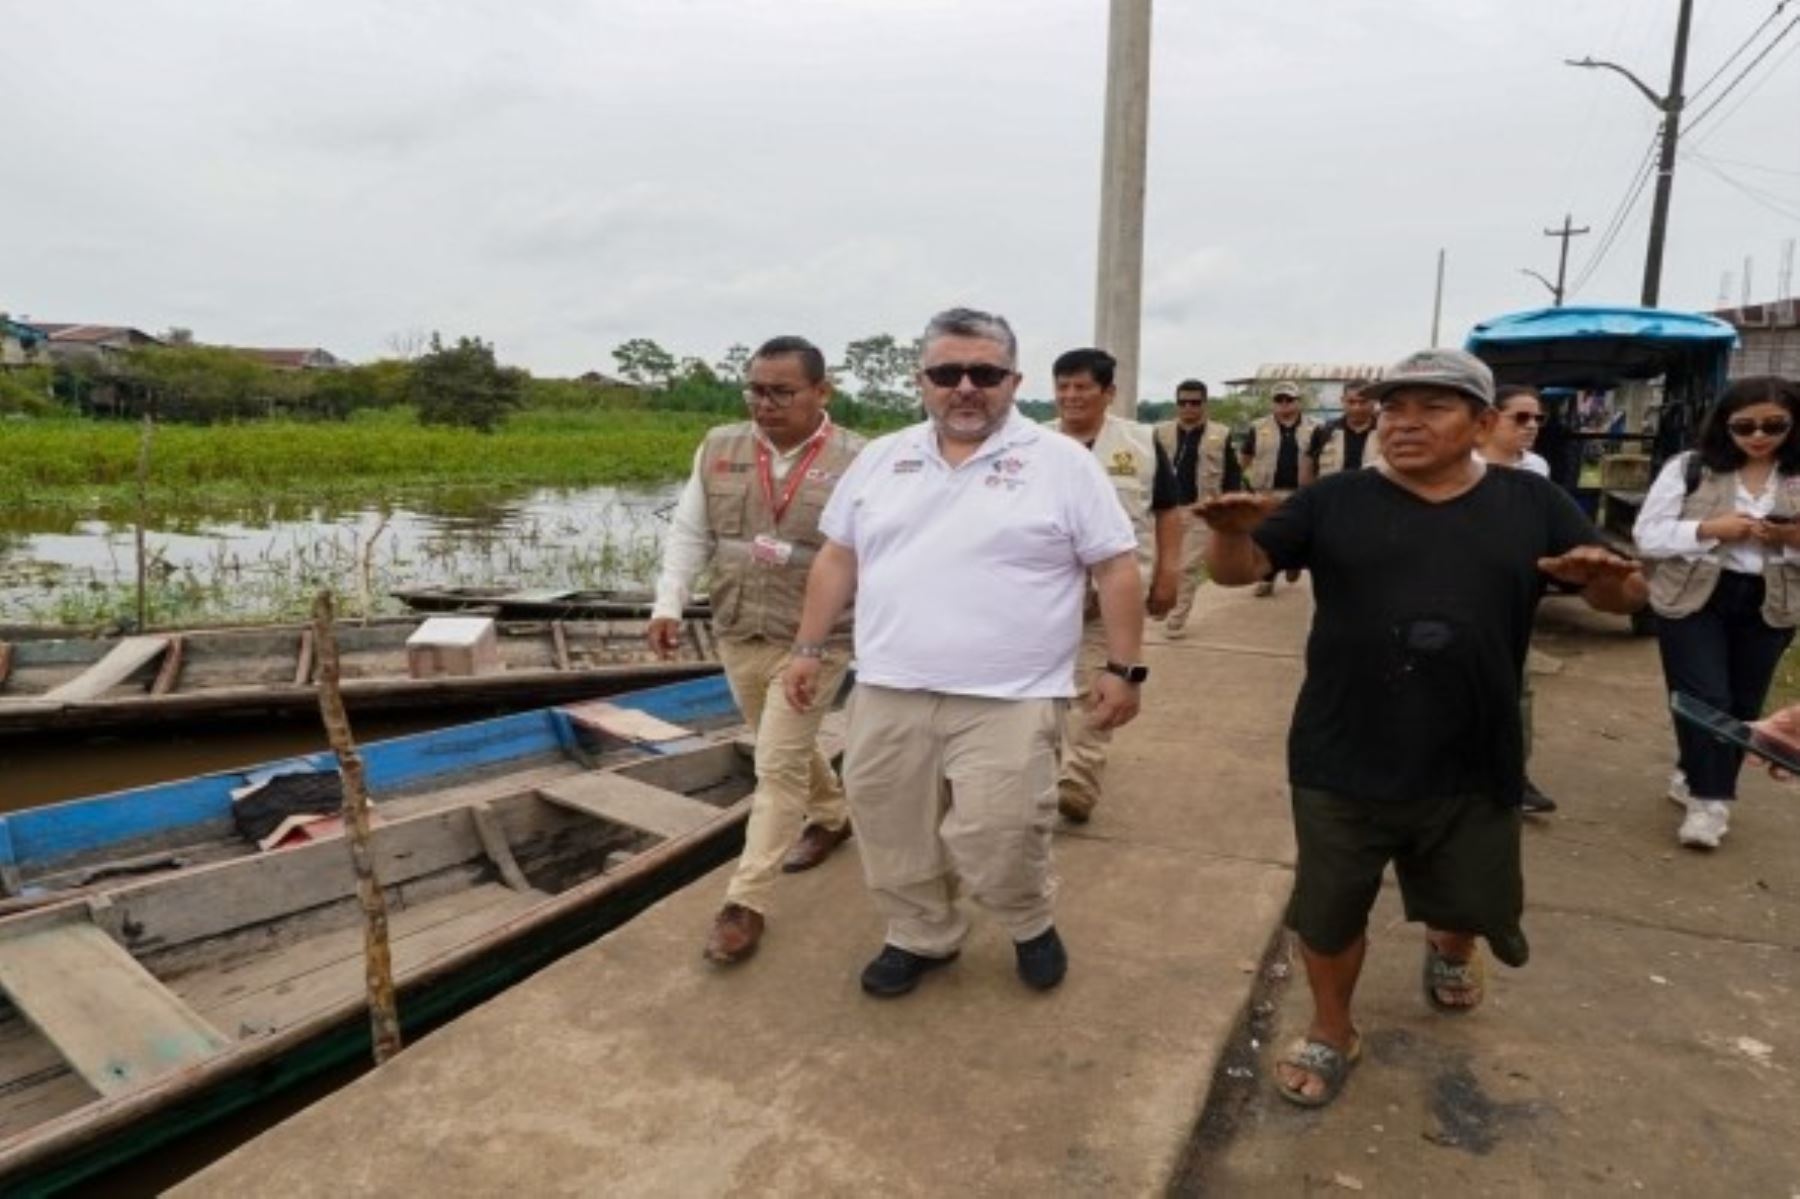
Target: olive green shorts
<point>1457,859</point>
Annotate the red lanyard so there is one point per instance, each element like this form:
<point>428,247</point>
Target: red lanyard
<point>796,475</point>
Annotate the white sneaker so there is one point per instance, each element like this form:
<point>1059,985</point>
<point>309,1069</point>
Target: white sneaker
<point>1679,795</point>
<point>1705,825</point>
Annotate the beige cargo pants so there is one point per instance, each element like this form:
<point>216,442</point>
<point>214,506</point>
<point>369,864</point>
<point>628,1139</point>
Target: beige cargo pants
<point>949,793</point>
<point>1082,766</point>
<point>795,785</point>
<point>1194,536</point>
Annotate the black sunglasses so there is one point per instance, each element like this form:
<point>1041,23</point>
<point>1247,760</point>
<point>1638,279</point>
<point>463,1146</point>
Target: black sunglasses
<point>981,374</point>
<point>1190,403</point>
<point>1526,418</point>
<point>1774,426</point>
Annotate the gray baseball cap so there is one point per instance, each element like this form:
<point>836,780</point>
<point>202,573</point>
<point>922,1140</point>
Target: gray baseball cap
<point>1453,369</point>
<point>1287,389</point>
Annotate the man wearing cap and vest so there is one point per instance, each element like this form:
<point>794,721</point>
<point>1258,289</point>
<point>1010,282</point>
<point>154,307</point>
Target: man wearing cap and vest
<point>1205,463</point>
<point>1274,451</point>
<point>1139,472</point>
<point>1349,443</point>
<point>1405,745</point>
<point>750,512</point>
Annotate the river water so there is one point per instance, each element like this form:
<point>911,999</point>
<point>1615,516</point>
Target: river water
<point>263,561</point>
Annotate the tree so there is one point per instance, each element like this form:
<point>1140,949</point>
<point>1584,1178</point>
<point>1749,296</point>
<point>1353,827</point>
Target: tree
<point>645,363</point>
<point>884,368</point>
<point>463,385</point>
<point>175,335</point>
<point>734,368</point>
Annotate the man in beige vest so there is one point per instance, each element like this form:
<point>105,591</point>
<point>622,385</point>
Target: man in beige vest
<point>750,512</point>
<point>1273,452</point>
<point>1140,474</point>
<point>1348,443</point>
<point>1205,465</point>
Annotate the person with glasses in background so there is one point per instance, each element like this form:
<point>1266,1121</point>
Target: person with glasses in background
<point>1518,415</point>
<point>1349,443</point>
<point>750,514</point>
<point>1405,743</point>
<point>1140,473</point>
<point>1273,451</point>
<point>967,542</point>
<point>1718,527</point>
<point>1203,458</point>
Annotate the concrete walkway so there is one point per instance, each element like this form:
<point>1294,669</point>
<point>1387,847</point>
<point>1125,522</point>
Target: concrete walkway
<point>634,1068</point>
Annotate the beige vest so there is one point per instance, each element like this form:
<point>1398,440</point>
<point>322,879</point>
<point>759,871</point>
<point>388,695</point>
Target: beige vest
<point>753,598</point>
<point>1214,439</point>
<point>1128,456</point>
<point>1681,586</point>
<point>1331,458</point>
<point>1268,448</point>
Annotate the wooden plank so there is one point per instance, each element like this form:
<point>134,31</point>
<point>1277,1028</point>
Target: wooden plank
<point>5,661</point>
<point>117,1027</point>
<point>303,665</point>
<point>124,660</point>
<point>171,668</point>
<point>559,640</point>
<point>493,839</point>
<point>620,800</point>
<point>629,724</point>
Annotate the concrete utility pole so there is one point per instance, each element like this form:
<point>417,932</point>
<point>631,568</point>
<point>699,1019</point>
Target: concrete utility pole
<point>1670,106</point>
<point>1437,301</point>
<point>1119,286</point>
<point>1562,258</point>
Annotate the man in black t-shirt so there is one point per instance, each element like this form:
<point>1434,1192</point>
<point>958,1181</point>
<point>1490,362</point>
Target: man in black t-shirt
<point>1405,744</point>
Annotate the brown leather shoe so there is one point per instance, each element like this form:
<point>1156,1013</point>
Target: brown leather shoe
<point>1075,809</point>
<point>814,846</point>
<point>735,934</point>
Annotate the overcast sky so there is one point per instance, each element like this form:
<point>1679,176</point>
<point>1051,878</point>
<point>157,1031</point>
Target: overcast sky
<point>558,176</point>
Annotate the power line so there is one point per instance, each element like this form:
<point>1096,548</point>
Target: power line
<point>1767,199</point>
<point>1739,77</point>
<point>1748,166</point>
<point>1745,98</point>
<point>1633,190</point>
<point>1769,20</point>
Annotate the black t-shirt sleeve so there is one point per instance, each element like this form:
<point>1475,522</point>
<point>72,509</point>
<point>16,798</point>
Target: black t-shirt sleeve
<point>1164,492</point>
<point>1250,442</point>
<point>1567,526</point>
<point>1287,535</point>
<point>1316,446</point>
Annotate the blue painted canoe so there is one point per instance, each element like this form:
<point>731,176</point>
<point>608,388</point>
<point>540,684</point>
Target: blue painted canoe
<point>142,1006</point>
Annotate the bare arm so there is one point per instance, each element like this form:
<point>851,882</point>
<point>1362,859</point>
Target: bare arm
<point>1233,559</point>
<point>1122,614</point>
<point>1608,582</point>
<point>830,586</point>
<point>1166,577</point>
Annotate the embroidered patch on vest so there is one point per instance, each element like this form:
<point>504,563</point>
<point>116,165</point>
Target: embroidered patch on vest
<point>908,466</point>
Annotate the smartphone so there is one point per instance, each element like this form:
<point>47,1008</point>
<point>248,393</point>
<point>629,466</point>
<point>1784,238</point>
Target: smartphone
<point>1730,728</point>
<point>1775,518</point>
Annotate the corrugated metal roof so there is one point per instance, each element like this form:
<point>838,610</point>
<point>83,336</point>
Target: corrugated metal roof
<point>1310,372</point>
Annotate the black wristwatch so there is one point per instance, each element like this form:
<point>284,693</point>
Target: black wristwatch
<point>1131,674</point>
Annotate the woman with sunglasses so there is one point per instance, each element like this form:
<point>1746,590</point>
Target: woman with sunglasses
<point>1519,416</point>
<point>1718,531</point>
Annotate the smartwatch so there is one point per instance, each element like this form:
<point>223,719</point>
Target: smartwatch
<point>1131,674</point>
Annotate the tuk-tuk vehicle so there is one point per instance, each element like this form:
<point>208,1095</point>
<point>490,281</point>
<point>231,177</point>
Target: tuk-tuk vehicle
<point>1656,371</point>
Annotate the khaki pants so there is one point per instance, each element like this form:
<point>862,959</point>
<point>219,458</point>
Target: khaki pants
<point>794,783</point>
<point>1194,536</point>
<point>1081,767</point>
<point>953,792</point>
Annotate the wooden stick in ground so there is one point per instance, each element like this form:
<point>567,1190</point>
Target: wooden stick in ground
<point>366,565</point>
<point>384,1020</point>
<point>143,514</point>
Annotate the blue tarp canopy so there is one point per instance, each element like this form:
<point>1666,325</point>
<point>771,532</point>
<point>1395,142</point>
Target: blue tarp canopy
<point>1601,347</point>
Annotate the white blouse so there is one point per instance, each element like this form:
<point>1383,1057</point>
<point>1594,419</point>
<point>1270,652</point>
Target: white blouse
<point>1660,532</point>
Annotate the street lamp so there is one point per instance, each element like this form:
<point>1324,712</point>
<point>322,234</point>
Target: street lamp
<point>1670,106</point>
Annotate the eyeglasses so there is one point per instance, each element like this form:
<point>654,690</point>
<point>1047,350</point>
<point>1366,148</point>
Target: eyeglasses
<point>1526,418</point>
<point>1287,399</point>
<point>1190,403</point>
<point>981,374</point>
<point>775,397</point>
<point>1774,426</point>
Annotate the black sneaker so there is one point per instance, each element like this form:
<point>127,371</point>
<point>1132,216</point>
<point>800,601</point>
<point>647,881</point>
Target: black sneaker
<point>1536,801</point>
<point>894,971</point>
<point>1042,960</point>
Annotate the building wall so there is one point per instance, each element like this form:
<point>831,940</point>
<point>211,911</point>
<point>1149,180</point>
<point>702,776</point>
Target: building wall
<point>1767,352</point>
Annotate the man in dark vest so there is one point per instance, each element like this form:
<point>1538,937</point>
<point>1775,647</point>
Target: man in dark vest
<point>1201,454</point>
<point>1349,443</point>
<point>750,513</point>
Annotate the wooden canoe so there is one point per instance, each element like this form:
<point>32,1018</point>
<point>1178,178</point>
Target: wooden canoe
<point>151,1005</point>
<point>80,683</point>
<point>508,603</point>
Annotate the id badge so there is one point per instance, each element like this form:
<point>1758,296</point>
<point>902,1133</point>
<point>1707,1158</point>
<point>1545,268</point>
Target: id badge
<point>771,551</point>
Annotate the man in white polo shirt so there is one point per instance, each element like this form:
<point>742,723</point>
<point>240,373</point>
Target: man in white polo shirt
<point>967,542</point>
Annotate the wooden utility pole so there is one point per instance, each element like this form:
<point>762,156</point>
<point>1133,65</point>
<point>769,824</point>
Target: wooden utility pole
<point>1119,286</point>
<point>378,965</point>
<point>1567,231</point>
<point>1670,105</point>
